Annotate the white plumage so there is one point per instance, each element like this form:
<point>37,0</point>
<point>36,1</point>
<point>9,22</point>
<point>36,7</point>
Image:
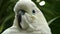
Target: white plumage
<point>42,3</point>
<point>33,21</point>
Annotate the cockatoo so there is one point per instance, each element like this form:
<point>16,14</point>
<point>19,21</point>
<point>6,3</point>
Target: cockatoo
<point>28,19</point>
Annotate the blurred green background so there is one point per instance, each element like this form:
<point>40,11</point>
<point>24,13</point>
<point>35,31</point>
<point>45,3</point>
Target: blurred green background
<point>50,10</point>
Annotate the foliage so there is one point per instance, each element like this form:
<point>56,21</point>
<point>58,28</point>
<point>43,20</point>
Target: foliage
<point>50,10</point>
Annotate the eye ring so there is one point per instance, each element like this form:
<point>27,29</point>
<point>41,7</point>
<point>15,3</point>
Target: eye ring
<point>33,11</point>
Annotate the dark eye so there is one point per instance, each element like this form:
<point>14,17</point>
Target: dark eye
<point>33,11</point>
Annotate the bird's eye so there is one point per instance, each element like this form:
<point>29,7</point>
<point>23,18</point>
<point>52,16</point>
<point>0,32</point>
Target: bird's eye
<point>33,11</point>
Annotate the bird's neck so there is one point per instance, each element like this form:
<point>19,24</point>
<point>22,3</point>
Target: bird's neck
<point>15,23</point>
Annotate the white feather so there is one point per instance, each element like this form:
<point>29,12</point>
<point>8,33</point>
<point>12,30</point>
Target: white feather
<point>24,0</point>
<point>42,3</point>
<point>37,0</point>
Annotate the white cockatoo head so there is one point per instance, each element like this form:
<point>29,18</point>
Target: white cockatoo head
<point>28,20</point>
<point>29,17</point>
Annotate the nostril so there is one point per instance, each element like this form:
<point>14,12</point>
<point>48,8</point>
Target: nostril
<point>23,12</point>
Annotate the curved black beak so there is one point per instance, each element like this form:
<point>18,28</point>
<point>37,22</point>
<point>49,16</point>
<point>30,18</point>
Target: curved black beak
<point>19,16</point>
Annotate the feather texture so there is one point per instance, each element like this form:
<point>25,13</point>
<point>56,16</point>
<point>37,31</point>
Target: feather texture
<point>32,23</point>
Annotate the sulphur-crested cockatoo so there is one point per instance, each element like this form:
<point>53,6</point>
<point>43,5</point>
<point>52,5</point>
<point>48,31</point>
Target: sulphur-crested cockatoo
<point>28,20</point>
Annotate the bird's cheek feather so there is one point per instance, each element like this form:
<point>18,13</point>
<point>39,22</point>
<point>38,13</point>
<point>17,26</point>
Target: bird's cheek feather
<point>30,18</point>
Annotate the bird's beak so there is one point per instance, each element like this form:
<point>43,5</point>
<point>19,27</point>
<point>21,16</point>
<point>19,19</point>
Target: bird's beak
<point>19,16</point>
